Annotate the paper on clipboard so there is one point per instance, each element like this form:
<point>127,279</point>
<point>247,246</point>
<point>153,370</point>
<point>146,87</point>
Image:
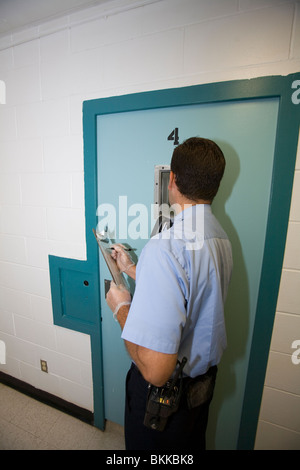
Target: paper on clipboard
<point>116,274</point>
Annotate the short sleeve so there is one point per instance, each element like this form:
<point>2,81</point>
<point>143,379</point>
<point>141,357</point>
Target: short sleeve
<point>157,314</point>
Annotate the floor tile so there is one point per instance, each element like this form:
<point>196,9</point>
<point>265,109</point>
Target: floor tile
<point>27,424</point>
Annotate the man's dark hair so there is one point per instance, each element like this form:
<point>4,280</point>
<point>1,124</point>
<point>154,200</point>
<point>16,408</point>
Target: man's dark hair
<point>198,165</point>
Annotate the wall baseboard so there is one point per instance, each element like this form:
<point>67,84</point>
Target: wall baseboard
<point>47,398</point>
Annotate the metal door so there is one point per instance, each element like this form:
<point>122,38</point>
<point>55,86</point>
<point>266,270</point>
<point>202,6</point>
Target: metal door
<point>130,144</point>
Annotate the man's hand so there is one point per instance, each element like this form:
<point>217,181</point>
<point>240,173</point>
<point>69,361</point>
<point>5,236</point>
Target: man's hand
<point>117,297</point>
<point>123,260</point>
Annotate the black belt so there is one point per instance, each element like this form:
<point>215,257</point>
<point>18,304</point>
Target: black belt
<point>212,371</point>
<point>197,389</point>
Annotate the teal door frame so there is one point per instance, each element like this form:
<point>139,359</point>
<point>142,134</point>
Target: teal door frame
<point>75,284</point>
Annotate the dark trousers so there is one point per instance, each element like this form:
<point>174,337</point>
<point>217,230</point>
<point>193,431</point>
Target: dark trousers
<point>184,431</point>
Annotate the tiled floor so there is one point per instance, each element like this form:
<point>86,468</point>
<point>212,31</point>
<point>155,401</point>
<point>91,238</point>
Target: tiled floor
<point>27,424</point>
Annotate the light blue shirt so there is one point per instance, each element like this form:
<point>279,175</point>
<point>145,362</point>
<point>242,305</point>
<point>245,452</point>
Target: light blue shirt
<point>182,280</point>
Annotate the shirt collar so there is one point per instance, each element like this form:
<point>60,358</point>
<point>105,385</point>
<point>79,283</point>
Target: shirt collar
<point>189,211</point>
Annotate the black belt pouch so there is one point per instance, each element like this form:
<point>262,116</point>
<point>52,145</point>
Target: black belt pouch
<point>199,390</point>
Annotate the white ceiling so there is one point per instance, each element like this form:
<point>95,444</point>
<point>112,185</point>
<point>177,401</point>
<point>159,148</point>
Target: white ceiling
<point>17,14</point>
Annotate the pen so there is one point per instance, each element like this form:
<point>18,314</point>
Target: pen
<point>126,249</point>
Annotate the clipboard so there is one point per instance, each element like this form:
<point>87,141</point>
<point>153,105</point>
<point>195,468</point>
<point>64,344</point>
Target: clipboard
<point>116,274</point>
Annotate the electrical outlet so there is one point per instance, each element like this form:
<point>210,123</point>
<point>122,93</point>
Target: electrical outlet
<point>44,366</point>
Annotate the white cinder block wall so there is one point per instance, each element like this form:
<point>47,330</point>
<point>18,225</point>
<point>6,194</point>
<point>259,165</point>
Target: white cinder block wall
<point>121,47</point>
<point>279,423</point>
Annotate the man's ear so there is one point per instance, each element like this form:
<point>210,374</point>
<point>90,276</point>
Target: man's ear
<point>171,180</point>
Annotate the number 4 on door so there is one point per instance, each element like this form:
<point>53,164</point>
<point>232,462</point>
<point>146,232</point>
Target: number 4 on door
<point>174,136</point>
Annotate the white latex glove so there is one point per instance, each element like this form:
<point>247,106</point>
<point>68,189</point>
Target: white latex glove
<point>122,257</point>
<point>116,297</point>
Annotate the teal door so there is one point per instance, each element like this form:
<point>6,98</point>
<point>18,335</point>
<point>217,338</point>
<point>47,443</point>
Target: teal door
<point>130,144</point>
<point>256,123</point>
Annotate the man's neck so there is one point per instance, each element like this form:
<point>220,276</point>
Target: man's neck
<point>186,203</point>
